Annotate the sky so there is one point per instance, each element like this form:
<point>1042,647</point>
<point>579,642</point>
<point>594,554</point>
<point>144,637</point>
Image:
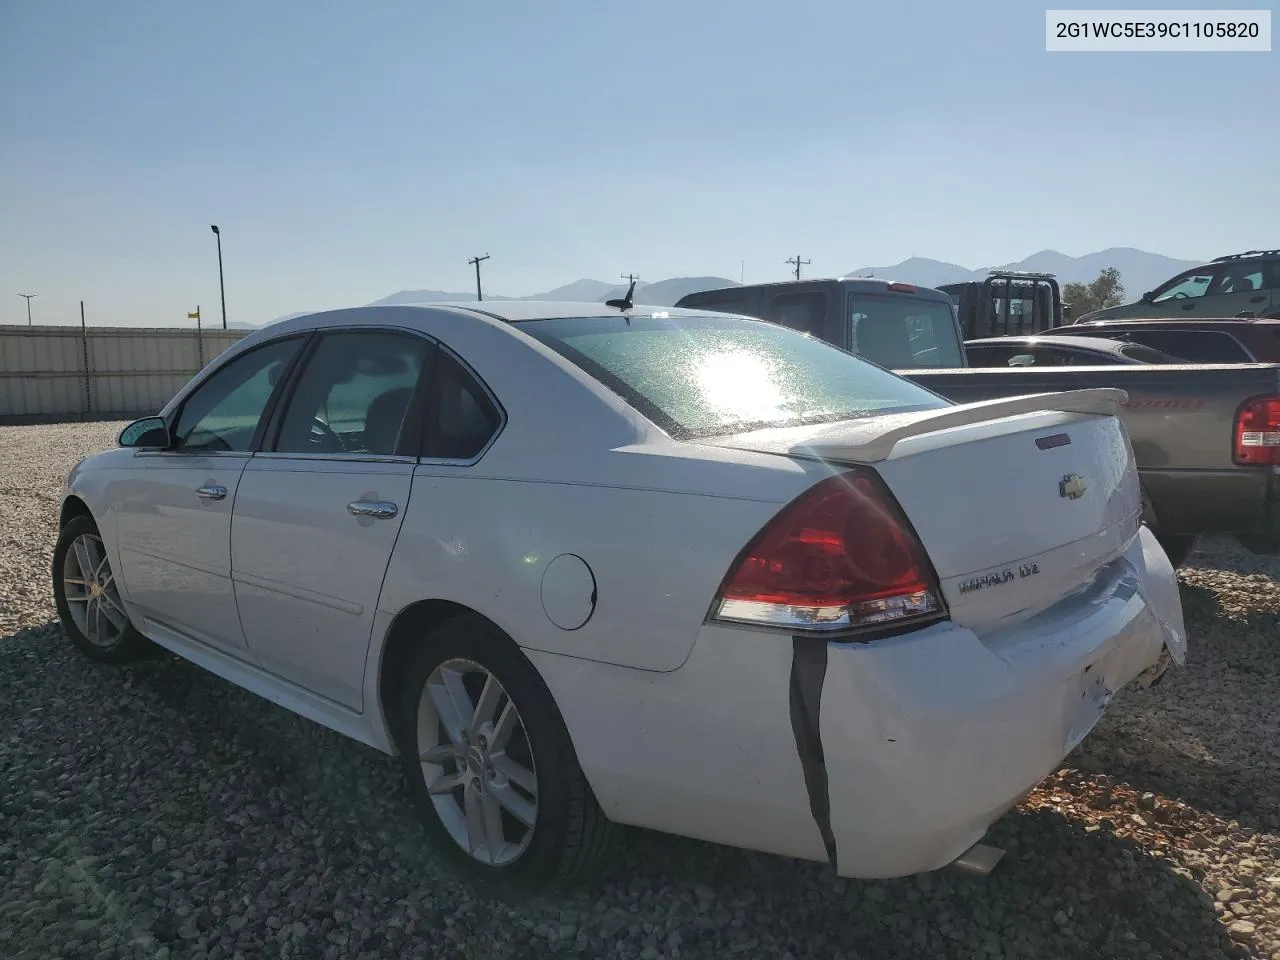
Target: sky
<point>350,150</point>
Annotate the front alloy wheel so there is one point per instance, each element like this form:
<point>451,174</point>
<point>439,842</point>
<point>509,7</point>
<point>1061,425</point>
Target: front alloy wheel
<point>88,598</point>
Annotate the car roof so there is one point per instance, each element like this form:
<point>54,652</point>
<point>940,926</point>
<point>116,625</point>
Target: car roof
<point>1095,343</point>
<point>1180,323</point>
<point>862,284</point>
<point>516,311</point>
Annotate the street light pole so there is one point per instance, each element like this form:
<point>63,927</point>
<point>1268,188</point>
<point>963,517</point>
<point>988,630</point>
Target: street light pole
<point>222,289</point>
<point>29,296</point>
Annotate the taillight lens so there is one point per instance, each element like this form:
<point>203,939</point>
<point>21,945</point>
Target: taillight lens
<point>1257,434</point>
<point>839,557</point>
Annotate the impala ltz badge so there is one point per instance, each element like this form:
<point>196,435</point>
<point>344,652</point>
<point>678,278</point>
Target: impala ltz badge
<point>1071,486</point>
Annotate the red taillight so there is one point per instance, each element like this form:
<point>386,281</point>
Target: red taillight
<point>1257,434</point>
<point>902,287</point>
<point>838,557</point>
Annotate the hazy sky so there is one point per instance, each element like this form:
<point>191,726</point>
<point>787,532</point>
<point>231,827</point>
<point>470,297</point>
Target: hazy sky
<point>349,150</point>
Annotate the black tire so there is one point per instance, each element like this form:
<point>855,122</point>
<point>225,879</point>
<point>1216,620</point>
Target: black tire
<point>1177,547</point>
<point>570,835</point>
<point>125,647</point>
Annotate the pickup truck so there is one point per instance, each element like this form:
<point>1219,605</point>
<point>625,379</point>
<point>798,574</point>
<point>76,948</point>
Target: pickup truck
<point>1206,437</point>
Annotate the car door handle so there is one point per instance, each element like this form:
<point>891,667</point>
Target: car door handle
<point>1188,306</point>
<point>1256,299</point>
<point>212,493</point>
<point>380,509</point>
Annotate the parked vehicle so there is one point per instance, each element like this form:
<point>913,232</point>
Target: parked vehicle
<point>1242,284</point>
<point>1207,438</point>
<point>1053,351</point>
<point>1215,340</point>
<point>581,566</point>
<point>1007,303</point>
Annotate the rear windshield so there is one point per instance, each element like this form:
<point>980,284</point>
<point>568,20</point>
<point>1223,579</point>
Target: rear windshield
<point>701,377</point>
<point>902,332</point>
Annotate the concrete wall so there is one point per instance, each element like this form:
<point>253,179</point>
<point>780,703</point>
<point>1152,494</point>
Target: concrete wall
<point>62,373</point>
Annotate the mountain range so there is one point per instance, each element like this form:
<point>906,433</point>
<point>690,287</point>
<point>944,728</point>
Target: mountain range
<point>1139,271</point>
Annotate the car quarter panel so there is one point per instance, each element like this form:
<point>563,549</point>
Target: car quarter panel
<point>655,559</point>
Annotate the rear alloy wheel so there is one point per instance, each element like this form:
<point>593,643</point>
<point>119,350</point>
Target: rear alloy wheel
<point>490,763</point>
<point>88,598</point>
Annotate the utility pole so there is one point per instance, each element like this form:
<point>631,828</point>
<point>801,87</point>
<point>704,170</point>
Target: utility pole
<point>476,262</point>
<point>29,296</point>
<point>797,262</point>
<point>222,289</point>
<point>629,277</point>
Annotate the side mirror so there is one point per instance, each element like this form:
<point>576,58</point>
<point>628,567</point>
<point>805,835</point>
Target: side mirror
<point>150,432</point>
<point>1148,296</point>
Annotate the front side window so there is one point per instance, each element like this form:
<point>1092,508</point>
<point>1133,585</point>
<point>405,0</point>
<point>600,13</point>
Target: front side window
<point>1189,285</point>
<point>704,376</point>
<point>354,395</point>
<point>223,413</point>
<point>902,332</point>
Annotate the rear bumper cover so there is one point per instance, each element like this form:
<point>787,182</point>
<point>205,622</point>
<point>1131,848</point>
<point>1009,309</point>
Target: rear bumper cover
<point>886,758</point>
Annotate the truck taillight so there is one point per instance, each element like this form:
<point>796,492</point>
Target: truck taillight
<point>1257,433</point>
<point>839,557</point>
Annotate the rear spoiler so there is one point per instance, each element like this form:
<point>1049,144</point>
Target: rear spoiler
<point>873,439</point>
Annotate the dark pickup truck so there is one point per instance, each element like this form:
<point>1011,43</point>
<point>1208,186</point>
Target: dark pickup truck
<point>1206,437</point>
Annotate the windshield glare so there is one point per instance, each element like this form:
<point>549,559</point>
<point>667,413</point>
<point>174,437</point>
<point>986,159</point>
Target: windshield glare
<point>902,332</point>
<point>700,377</point>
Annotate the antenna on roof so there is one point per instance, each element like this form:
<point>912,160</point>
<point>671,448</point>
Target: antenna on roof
<point>626,303</point>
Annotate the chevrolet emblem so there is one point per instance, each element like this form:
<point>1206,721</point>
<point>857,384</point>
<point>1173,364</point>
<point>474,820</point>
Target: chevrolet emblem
<point>1071,486</point>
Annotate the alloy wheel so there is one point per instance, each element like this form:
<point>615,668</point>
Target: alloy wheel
<point>477,762</point>
<point>89,587</point>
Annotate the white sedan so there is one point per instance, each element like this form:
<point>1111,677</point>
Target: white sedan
<point>582,566</point>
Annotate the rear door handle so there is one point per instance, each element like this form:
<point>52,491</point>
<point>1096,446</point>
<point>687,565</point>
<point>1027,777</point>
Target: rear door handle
<point>379,509</point>
<point>1188,306</point>
<point>212,493</point>
<point>1256,299</point>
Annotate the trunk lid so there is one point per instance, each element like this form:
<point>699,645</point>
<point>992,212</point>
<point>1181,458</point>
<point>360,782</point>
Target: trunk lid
<point>1017,502</point>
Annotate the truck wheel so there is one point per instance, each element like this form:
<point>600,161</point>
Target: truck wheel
<point>1178,548</point>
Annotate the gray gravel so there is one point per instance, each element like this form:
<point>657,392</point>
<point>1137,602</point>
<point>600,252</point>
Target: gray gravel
<point>157,811</point>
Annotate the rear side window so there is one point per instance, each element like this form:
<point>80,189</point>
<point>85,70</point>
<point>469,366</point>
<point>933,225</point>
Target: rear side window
<point>354,395</point>
<point>461,419</point>
<point>700,377</point>
<point>799,311</point>
<point>1192,346</point>
<point>902,332</point>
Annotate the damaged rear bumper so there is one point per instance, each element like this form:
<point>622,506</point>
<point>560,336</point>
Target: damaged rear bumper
<point>886,758</point>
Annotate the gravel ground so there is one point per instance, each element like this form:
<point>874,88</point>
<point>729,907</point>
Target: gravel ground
<point>157,811</point>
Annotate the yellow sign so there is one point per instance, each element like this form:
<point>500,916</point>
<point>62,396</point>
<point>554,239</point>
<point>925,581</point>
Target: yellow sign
<point>194,316</point>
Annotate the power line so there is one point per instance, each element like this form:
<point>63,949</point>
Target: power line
<point>476,262</point>
<point>797,262</point>
<point>29,297</point>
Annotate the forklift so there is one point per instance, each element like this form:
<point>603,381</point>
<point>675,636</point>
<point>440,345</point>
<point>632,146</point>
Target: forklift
<point>1007,303</point>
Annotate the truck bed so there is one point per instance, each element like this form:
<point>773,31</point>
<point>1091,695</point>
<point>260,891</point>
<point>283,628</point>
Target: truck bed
<point>1180,421</point>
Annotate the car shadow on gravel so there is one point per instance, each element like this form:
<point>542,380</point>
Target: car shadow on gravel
<point>1060,892</point>
<point>156,805</point>
<point>1208,733</point>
